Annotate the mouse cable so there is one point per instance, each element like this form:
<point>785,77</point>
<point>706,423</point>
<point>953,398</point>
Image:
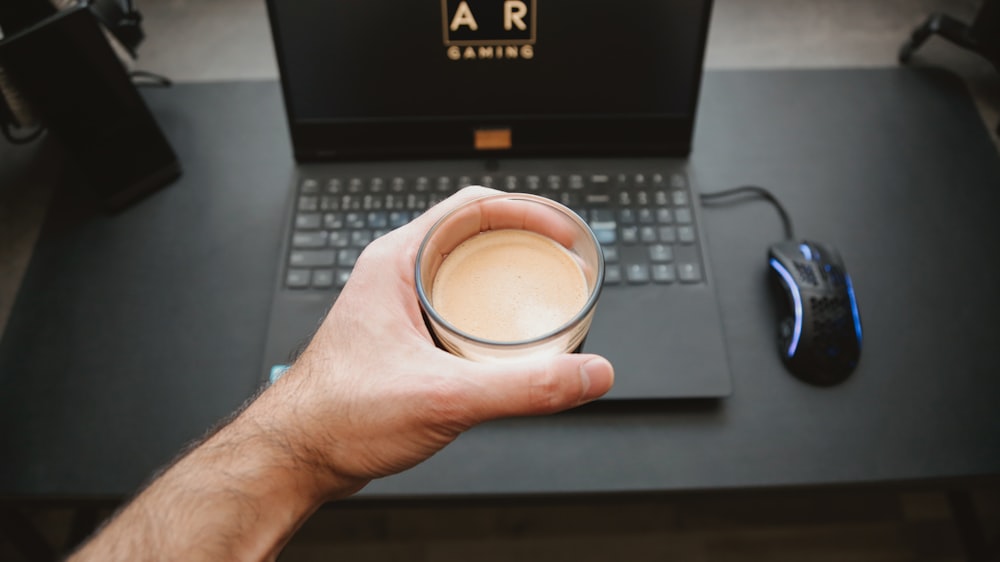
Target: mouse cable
<point>713,197</point>
<point>146,78</point>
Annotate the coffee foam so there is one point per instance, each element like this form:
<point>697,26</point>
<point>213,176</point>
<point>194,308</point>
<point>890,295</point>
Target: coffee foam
<point>509,285</point>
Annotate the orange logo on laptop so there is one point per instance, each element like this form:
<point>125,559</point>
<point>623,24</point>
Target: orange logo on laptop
<point>488,29</point>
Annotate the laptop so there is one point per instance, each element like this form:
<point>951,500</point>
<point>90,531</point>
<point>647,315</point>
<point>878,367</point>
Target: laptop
<point>392,106</point>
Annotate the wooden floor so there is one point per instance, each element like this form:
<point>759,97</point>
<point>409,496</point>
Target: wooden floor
<point>794,526</point>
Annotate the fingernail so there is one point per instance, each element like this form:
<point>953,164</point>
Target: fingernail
<point>597,377</point>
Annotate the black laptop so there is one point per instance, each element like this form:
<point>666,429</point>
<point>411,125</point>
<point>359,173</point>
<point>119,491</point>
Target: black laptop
<point>392,106</point>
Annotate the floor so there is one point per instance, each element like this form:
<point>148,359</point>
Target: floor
<point>795,526</point>
<point>191,40</point>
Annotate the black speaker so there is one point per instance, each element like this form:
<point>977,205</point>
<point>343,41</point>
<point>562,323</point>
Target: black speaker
<point>65,71</point>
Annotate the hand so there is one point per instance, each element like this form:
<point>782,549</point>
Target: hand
<point>371,395</point>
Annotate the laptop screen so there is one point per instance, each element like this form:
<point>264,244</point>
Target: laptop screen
<point>453,77</point>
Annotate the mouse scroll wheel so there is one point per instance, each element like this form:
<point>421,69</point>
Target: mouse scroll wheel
<point>806,273</point>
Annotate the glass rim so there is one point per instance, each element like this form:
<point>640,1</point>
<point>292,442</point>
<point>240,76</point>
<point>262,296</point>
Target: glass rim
<point>586,309</point>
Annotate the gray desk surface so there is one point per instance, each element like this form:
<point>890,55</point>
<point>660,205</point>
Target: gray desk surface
<point>134,333</point>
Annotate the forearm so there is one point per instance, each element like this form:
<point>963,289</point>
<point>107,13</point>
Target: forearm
<point>240,495</point>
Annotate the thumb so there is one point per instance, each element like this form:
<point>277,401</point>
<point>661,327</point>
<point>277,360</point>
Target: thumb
<point>545,386</point>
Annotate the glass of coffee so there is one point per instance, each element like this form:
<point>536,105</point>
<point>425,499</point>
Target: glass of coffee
<point>509,277</point>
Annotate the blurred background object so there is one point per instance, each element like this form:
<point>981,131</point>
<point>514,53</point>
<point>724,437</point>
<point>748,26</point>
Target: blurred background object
<point>982,36</point>
<point>66,67</point>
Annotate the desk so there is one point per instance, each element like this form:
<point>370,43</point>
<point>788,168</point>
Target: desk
<point>134,333</point>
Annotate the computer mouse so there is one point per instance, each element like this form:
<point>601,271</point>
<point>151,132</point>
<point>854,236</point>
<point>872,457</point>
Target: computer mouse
<point>819,328</point>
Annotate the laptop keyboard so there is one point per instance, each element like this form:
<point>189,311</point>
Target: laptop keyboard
<point>644,221</point>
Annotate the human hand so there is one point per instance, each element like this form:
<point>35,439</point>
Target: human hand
<point>372,395</point>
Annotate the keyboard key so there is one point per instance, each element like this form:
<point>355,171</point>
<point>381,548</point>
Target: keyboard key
<point>637,273</point>
<point>664,273</point>
<point>309,239</point>
<point>308,203</point>
<point>348,257</point>
<point>663,216</point>
<point>689,272</point>
<point>422,184</point>
<point>338,239</point>
<point>660,198</point>
<point>397,185</point>
<point>612,275</point>
<point>668,234</point>
<point>553,182</point>
<point>510,183</point>
<point>349,203</point>
<point>680,197</point>
<point>659,181</point>
<point>602,217</point>
<point>576,181</point>
<point>598,198</point>
<point>398,219</point>
<point>464,181</point>
<point>377,185</point>
<point>486,181</point>
<point>444,184</point>
<point>416,202</point>
<point>333,221</point>
<point>361,238</point>
<point>610,253</point>
<point>306,221</point>
<point>646,216</point>
<point>626,216</point>
<point>683,215</point>
<point>605,235</point>
<point>533,183</point>
<point>393,202</point>
<point>329,203</point>
<point>354,220</point>
<point>335,186</point>
<point>322,278</point>
<point>355,185</point>
<point>661,253</point>
<point>647,234</point>
<point>678,181</point>
<point>630,234</point>
<point>297,278</point>
<point>309,186</point>
<point>378,219</point>
<point>685,234</point>
<point>340,279</point>
<point>642,198</point>
<point>311,258</point>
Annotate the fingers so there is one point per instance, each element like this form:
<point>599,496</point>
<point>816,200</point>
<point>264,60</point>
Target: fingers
<point>542,387</point>
<point>424,222</point>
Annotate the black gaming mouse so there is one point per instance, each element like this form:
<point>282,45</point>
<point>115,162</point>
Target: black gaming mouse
<point>819,329</point>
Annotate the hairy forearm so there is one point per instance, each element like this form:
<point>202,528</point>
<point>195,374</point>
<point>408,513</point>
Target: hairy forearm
<point>240,495</point>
